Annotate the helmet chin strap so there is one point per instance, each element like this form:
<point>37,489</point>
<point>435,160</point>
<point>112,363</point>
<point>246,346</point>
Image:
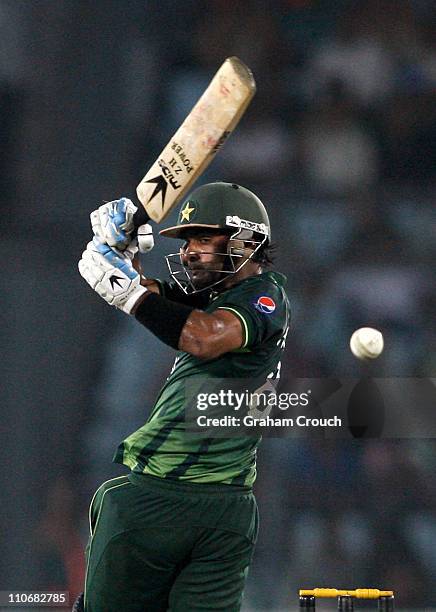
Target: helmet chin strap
<point>237,249</point>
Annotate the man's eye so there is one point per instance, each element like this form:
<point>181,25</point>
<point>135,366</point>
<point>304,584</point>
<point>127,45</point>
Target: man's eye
<point>204,240</point>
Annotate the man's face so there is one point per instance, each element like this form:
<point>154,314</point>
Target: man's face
<point>204,255</point>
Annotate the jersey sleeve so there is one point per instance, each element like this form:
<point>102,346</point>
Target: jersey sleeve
<point>261,307</point>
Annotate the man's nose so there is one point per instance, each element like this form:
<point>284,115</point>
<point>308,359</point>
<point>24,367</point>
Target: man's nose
<point>191,255</point>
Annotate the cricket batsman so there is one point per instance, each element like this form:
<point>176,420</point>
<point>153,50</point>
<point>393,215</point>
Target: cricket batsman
<point>177,533</point>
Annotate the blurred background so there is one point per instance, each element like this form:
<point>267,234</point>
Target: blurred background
<point>340,145</point>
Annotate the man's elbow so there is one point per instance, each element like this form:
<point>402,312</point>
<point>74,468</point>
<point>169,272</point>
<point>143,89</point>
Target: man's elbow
<point>203,344</point>
<point>207,337</point>
<point>203,349</point>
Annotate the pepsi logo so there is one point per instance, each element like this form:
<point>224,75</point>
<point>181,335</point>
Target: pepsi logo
<point>265,304</point>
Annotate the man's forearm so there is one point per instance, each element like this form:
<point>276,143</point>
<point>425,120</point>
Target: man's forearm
<point>164,318</point>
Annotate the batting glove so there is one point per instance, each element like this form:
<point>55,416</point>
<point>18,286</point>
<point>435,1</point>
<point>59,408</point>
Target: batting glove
<point>111,274</point>
<point>113,224</point>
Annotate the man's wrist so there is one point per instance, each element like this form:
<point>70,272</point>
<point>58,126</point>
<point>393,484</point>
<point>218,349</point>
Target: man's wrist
<point>135,300</point>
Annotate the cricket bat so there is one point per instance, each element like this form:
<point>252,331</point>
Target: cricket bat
<point>196,142</point>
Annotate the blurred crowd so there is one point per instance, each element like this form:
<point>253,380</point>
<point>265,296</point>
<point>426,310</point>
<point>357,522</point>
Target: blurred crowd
<point>340,144</point>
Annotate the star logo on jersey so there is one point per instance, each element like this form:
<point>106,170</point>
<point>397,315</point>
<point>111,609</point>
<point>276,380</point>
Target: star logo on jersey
<point>115,280</point>
<point>161,187</point>
<point>265,304</point>
<point>186,212</point>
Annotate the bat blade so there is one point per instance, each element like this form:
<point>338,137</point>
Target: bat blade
<point>198,139</point>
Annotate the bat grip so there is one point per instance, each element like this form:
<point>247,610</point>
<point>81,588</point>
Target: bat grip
<point>140,217</point>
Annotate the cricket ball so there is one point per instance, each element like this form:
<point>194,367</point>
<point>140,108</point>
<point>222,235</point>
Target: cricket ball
<point>366,343</point>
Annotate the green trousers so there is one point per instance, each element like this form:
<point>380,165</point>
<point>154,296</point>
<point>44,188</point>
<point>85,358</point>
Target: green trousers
<point>159,545</point>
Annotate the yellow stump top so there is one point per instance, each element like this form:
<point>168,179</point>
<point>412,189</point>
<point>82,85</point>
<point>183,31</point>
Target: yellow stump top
<point>358,593</point>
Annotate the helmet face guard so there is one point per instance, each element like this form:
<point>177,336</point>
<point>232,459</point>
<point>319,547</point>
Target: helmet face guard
<point>236,257</point>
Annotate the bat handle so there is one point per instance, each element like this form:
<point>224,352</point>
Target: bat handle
<point>140,217</point>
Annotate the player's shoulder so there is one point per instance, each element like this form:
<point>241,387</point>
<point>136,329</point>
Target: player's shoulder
<point>273,280</point>
<point>269,281</point>
<point>262,305</point>
<point>265,291</point>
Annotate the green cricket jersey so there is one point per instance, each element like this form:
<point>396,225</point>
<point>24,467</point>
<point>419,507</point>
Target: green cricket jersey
<point>162,447</point>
